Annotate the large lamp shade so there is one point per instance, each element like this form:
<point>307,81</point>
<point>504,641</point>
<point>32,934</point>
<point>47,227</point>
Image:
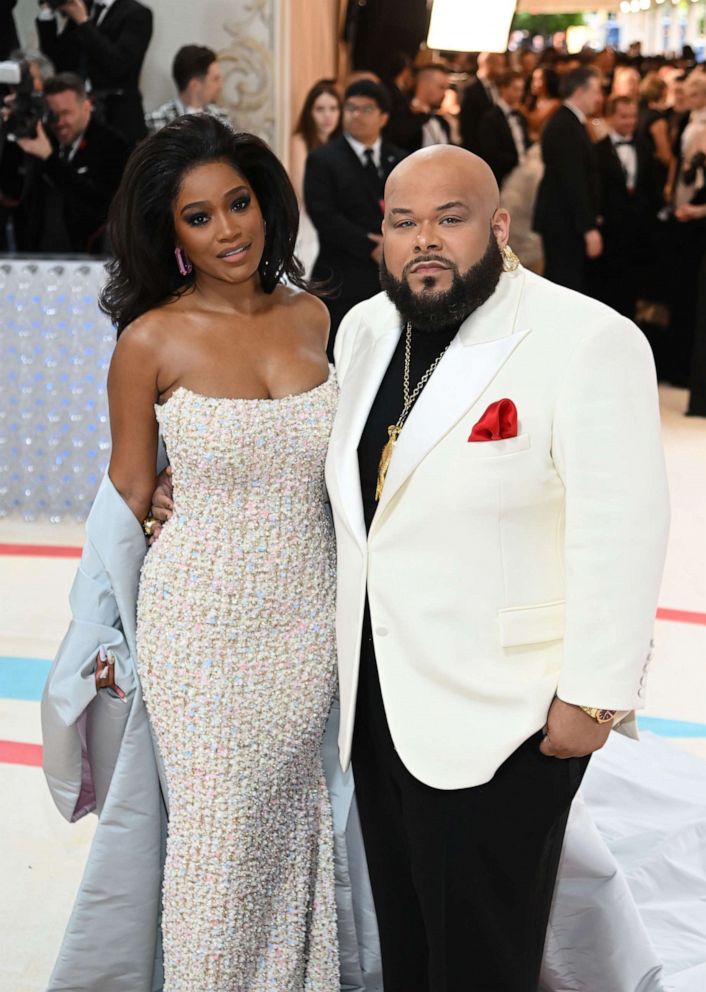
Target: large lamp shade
<point>470,25</point>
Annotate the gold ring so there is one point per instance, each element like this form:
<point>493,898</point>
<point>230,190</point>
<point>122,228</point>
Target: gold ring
<point>148,525</point>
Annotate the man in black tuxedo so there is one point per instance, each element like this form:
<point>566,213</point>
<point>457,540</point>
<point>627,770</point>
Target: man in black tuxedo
<point>70,176</point>
<point>418,124</point>
<point>623,165</point>
<point>106,47</point>
<point>566,212</point>
<point>344,184</point>
<point>479,96</point>
<point>502,133</point>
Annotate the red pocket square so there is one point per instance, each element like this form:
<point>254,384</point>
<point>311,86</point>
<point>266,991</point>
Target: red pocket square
<point>498,421</point>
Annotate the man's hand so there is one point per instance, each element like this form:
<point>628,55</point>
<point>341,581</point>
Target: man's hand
<point>571,733</point>
<point>594,243</point>
<point>7,105</point>
<point>376,253</point>
<point>76,10</point>
<point>40,147</point>
<point>162,505</point>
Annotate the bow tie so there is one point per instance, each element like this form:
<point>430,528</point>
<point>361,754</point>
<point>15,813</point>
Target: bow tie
<point>630,142</point>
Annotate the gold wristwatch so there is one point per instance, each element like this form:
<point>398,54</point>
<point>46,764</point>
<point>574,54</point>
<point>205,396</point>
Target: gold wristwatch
<point>599,715</point>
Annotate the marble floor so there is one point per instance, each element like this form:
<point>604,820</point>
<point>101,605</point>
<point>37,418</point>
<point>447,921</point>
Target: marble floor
<point>41,856</point>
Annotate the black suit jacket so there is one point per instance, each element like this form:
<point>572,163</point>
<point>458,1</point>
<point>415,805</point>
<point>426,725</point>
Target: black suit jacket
<point>110,55</point>
<point>9,40</point>
<point>474,104</point>
<point>344,208</point>
<point>567,195</point>
<point>496,144</point>
<point>405,127</point>
<point>87,185</point>
<point>624,214</point>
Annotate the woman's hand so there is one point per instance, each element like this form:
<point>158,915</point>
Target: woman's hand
<point>162,504</point>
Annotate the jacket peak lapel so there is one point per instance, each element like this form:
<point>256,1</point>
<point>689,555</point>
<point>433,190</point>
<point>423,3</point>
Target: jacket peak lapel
<point>483,344</point>
<point>358,391</point>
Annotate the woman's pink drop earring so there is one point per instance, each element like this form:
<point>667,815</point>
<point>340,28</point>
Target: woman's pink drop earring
<point>185,266</point>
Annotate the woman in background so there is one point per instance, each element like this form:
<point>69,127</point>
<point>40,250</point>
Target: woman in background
<point>543,100</point>
<point>319,120</point>
<point>653,130</point>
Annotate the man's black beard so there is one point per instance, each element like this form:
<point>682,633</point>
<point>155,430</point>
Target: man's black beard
<point>431,310</point>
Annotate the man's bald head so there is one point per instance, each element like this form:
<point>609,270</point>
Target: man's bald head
<point>442,234</point>
<point>491,64</point>
<point>448,166</point>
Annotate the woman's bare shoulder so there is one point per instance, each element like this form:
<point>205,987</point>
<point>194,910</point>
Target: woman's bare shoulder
<point>153,328</point>
<point>309,311</point>
<point>146,337</point>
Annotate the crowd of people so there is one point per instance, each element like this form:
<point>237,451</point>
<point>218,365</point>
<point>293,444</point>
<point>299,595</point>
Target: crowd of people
<point>60,171</point>
<point>600,158</point>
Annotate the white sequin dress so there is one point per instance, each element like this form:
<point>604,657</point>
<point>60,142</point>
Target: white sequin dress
<point>235,641</point>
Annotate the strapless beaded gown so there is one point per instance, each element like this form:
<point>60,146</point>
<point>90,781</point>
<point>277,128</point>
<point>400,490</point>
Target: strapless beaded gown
<point>235,639</point>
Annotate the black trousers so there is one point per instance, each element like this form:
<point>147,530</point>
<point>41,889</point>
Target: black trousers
<point>463,879</point>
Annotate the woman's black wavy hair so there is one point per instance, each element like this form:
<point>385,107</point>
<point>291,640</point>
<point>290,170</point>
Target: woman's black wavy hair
<point>143,271</point>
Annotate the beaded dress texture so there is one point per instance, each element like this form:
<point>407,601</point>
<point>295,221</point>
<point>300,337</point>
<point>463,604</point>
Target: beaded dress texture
<point>236,656</point>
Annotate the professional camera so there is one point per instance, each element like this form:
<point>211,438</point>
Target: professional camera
<point>28,107</point>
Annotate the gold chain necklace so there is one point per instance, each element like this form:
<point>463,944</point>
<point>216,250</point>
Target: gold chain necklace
<point>394,431</point>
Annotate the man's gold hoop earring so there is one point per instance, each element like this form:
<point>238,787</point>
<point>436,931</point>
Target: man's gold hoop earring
<point>510,259</point>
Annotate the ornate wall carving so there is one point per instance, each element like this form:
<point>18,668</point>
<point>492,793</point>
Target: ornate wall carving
<point>248,65</point>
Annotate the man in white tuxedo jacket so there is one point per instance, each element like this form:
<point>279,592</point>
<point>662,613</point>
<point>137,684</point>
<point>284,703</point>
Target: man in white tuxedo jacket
<point>496,603</point>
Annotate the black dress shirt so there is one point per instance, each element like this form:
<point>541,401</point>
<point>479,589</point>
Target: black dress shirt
<point>388,404</point>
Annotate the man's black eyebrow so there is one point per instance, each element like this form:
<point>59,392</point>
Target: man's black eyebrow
<point>444,206</point>
<point>205,203</point>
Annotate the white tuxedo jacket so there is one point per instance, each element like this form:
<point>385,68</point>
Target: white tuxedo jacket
<point>500,573</point>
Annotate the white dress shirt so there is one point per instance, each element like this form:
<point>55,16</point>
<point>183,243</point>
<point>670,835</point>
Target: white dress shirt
<point>515,128</point>
<point>433,133</point>
<point>627,154</point>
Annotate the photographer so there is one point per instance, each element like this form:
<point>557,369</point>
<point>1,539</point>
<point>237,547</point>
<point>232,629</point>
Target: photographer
<point>71,174</point>
<point>106,47</point>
